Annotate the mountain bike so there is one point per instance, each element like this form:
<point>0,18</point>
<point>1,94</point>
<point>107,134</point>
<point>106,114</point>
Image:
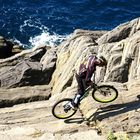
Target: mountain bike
<point>102,94</point>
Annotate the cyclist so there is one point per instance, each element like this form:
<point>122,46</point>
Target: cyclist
<point>83,77</point>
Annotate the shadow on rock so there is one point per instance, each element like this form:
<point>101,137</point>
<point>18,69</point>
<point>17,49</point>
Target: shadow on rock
<point>113,110</point>
<point>108,111</point>
<point>75,120</point>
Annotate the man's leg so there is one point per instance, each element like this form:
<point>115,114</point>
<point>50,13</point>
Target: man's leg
<point>80,91</point>
<point>81,88</point>
<point>74,104</point>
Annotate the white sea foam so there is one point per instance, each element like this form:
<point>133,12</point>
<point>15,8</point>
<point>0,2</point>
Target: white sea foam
<point>31,23</point>
<point>45,38</point>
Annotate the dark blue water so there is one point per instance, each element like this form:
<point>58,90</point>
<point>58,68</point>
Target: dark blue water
<point>37,21</point>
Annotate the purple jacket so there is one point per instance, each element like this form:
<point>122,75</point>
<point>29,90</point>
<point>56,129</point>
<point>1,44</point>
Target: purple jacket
<point>88,67</point>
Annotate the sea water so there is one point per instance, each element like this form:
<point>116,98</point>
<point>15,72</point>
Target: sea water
<point>36,22</point>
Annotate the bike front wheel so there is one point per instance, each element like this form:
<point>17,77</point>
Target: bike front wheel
<point>105,94</point>
<point>59,111</point>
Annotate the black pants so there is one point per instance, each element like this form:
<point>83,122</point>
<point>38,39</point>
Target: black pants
<point>81,84</point>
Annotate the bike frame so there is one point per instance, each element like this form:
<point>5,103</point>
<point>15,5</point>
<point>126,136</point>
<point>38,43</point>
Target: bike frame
<point>93,86</point>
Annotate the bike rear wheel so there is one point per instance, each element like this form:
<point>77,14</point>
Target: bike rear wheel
<point>58,109</point>
<point>105,94</point>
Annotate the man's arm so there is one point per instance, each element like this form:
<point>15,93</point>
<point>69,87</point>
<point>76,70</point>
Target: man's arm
<point>90,68</point>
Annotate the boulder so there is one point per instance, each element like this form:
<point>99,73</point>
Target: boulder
<point>5,48</point>
<point>13,96</point>
<point>24,73</point>
<point>34,54</point>
<point>16,49</point>
<point>94,34</point>
<point>49,59</point>
<point>120,32</point>
<point>30,67</point>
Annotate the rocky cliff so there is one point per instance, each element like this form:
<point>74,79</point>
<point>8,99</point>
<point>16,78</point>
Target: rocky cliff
<point>32,80</point>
